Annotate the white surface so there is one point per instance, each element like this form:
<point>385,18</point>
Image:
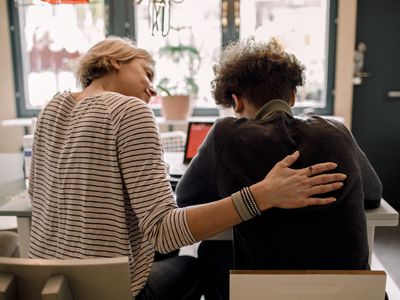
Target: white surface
<point>385,215</point>
<point>8,223</point>
<point>162,121</point>
<point>11,167</point>
<point>22,122</point>
<point>363,285</point>
<point>27,141</point>
<point>392,289</point>
<point>174,160</point>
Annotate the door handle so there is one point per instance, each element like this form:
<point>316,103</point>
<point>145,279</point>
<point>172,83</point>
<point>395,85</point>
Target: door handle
<point>393,94</point>
<point>359,57</point>
<point>362,74</point>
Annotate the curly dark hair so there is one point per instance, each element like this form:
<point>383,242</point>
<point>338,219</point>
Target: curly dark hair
<point>259,71</point>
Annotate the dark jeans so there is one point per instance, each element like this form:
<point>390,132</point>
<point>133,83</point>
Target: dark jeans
<point>216,258</point>
<point>177,278</point>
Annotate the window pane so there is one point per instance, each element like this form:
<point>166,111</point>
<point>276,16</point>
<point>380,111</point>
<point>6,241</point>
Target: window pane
<point>301,26</point>
<point>195,23</point>
<point>53,36</point>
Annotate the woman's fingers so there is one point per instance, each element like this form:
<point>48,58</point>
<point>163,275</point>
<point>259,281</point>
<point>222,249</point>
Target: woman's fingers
<point>320,201</point>
<point>326,178</point>
<point>284,187</point>
<point>324,188</point>
<point>319,168</point>
<point>290,159</point>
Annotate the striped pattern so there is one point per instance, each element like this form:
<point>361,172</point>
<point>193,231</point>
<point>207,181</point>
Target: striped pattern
<point>99,186</point>
<point>250,202</point>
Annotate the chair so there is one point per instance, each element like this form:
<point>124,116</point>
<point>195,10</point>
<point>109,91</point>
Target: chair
<point>8,244</point>
<point>74,279</point>
<point>173,141</point>
<point>307,285</point>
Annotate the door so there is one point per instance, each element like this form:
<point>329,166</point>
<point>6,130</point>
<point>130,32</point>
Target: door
<point>376,101</point>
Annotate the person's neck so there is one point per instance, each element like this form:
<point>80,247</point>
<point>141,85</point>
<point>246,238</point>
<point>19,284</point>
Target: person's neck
<point>98,86</point>
<point>249,112</point>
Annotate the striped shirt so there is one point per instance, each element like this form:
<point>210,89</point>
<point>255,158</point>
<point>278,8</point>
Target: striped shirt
<point>99,186</point>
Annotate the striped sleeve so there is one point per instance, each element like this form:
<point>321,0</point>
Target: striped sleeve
<point>144,175</point>
<point>33,162</point>
<point>32,173</point>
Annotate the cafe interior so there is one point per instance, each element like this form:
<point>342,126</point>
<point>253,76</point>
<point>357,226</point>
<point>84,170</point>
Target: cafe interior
<point>350,52</point>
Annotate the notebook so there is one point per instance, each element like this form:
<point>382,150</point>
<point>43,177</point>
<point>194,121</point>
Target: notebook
<point>196,133</point>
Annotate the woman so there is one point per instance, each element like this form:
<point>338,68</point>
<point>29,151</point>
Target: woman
<point>99,186</point>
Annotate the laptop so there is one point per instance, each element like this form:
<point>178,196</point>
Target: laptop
<point>196,133</point>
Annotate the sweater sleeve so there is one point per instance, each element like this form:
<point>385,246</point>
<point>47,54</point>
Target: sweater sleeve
<point>32,174</point>
<point>145,179</point>
<point>371,183</point>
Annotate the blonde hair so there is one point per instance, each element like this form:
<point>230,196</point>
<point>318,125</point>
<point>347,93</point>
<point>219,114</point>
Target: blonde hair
<point>97,61</point>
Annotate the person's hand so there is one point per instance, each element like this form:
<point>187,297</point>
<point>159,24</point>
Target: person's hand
<point>284,187</point>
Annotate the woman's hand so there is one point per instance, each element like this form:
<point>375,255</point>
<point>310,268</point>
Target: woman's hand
<point>284,187</point>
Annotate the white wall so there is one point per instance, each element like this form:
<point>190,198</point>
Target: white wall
<point>10,137</point>
<point>345,43</point>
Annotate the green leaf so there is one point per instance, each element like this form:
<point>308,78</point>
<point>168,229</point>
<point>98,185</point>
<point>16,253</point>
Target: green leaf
<point>189,55</point>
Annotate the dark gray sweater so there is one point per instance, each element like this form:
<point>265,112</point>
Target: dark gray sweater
<point>240,152</point>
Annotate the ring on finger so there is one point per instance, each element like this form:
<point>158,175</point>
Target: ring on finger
<point>310,171</point>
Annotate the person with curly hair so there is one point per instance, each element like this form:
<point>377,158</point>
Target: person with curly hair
<point>259,81</point>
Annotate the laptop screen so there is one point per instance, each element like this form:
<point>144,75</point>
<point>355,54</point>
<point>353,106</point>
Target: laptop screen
<point>196,133</point>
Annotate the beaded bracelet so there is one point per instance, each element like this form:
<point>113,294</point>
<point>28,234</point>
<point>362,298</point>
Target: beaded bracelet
<point>245,204</point>
<point>250,201</point>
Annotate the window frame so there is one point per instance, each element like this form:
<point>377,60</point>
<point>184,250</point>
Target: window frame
<point>15,36</point>
<point>121,22</point>
<point>330,66</point>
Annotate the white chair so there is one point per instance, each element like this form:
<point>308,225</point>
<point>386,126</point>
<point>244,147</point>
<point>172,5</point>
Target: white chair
<point>9,244</point>
<point>74,279</point>
<point>173,141</point>
<point>307,285</point>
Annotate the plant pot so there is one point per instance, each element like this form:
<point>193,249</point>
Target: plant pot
<point>176,107</point>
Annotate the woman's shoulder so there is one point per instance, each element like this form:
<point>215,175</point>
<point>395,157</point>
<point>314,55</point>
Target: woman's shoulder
<point>61,100</point>
<point>117,98</point>
<point>117,103</point>
<point>121,107</point>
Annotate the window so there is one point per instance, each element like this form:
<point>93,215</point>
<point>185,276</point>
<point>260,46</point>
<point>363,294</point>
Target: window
<point>52,37</point>
<point>195,24</point>
<point>47,38</point>
<point>302,27</point>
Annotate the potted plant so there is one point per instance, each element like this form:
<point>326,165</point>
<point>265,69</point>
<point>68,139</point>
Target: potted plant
<point>180,86</point>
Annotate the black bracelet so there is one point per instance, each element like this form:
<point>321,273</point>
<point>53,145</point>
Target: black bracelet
<point>251,202</point>
<point>245,204</point>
